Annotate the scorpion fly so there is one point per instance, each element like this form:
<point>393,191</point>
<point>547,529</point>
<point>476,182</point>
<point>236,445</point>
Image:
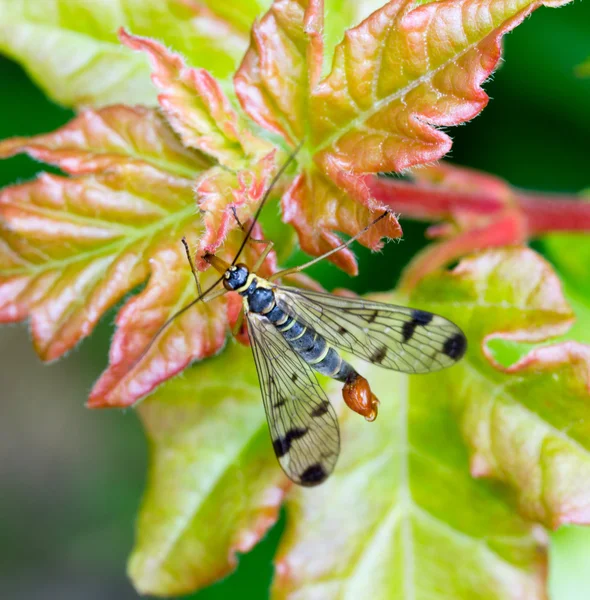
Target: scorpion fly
<point>294,332</point>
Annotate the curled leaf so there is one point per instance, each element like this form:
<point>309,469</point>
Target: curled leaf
<point>524,423</point>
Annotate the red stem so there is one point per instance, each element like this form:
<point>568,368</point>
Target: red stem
<point>546,213</point>
<point>419,200</point>
<point>543,213</point>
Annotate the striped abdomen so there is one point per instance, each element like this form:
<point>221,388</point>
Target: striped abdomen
<point>308,344</point>
<point>311,346</point>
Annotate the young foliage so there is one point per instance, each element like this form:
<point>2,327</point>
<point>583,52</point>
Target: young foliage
<point>475,210</point>
<point>73,247</point>
<point>402,511</point>
<point>402,517</point>
<point>213,486</point>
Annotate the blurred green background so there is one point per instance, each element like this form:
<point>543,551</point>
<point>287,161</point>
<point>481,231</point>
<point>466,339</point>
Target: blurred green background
<point>72,479</point>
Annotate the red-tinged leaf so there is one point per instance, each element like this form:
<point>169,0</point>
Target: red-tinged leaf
<point>304,206</point>
<point>196,107</point>
<point>404,70</point>
<point>282,66</point>
<point>214,487</point>
<point>220,192</point>
<point>402,516</point>
<point>136,367</point>
<point>552,385</point>
<point>74,247</point>
<point>199,332</point>
<point>507,228</point>
<point>274,85</point>
<point>108,138</point>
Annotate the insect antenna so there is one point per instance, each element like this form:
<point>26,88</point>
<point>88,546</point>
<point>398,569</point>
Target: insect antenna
<point>265,198</point>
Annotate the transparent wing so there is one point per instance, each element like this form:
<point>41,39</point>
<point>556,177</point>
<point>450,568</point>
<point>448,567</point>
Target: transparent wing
<point>394,337</point>
<point>302,422</point>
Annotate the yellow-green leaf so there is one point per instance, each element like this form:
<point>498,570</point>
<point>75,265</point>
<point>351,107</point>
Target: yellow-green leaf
<point>70,47</point>
<point>402,516</point>
<point>214,486</point>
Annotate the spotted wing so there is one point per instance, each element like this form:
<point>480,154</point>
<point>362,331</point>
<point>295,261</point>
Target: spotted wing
<point>302,422</point>
<point>394,337</point>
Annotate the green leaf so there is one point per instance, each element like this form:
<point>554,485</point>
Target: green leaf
<point>214,486</point>
<point>402,516</point>
<point>570,253</point>
<point>569,576</point>
<point>70,47</point>
<point>524,424</point>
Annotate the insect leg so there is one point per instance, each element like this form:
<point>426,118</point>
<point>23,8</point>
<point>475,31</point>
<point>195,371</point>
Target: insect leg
<point>238,324</point>
<point>194,271</point>
<point>262,257</point>
<point>209,297</point>
<point>280,274</point>
<point>241,226</point>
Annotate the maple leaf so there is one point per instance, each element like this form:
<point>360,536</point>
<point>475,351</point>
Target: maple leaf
<point>202,115</point>
<point>402,515</point>
<point>73,247</point>
<point>275,84</point>
<point>394,77</point>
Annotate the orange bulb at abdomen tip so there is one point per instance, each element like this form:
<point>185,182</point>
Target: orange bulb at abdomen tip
<point>358,396</point>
